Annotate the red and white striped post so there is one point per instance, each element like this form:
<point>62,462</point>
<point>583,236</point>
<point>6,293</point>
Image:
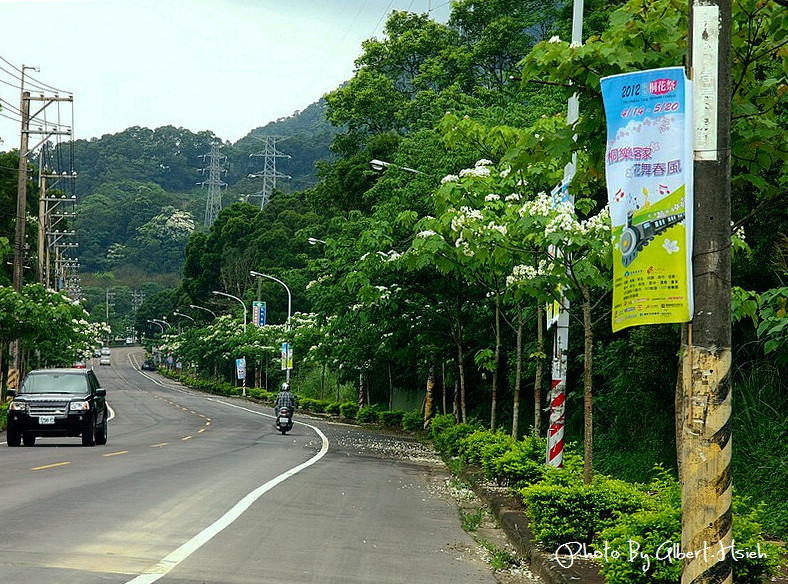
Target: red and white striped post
<point>555,433</point>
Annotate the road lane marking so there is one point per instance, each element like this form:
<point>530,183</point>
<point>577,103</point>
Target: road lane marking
<point>115,453</point>
<point>50,466</point>
<point>179,555</point>
<point>160,445</point>
<point>185,438</point>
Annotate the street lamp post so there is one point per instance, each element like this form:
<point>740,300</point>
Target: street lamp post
<point>203,308</point>
<point>161,326</point>
<point>315,241</point>
<point>244,307</point>
<point>234,298</point>
<point>176,313</point>
<point>289,308</point>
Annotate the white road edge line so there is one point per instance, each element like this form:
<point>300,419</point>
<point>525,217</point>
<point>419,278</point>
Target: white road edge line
<point>179,555</point>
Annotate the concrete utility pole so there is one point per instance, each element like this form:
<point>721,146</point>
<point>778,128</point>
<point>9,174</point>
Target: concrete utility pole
<point>215,184</point>
<point>269,174</point>
<point>21,192</point>
<point>705,404</point>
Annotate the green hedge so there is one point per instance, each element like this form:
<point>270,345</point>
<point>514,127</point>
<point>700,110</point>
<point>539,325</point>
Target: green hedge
<point>608,514</point>
<point>3,415</point>
<point>368,415</point>
<point>348,410</point>
<point>392,417</point>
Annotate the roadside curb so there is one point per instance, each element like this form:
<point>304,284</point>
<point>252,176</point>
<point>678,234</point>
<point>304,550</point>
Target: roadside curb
<point>510,514</point>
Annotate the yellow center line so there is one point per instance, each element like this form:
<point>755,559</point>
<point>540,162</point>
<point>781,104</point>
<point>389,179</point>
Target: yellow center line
<point>115,453</point>
<point>186,438</point>
<point>201,430</point>
<point>50,466</point>
<point>159,445</point>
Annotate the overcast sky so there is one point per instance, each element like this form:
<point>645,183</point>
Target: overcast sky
<point>223,65</point>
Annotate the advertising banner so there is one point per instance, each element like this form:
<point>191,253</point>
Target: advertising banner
<point>240,368</point>
<point>287,356</point>
<point>649,180</point>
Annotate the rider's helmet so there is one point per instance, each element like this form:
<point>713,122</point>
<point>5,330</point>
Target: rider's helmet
<point>285,386</point>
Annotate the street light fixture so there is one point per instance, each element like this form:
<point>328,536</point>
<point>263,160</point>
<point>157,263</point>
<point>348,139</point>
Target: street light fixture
<point>183,315</point>
<point>289,306</point>
<point>381,165</point>
<point>203,308</point>
<point>315,241</point>
<point>161,326</point>
<point>161,321</point>
<point>234,298</point>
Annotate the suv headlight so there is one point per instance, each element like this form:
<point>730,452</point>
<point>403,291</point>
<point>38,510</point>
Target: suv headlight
<point>17,406</point>
<point>79,406</point>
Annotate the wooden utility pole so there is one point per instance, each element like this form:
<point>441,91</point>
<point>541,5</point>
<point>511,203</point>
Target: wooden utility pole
<point>705,404</point>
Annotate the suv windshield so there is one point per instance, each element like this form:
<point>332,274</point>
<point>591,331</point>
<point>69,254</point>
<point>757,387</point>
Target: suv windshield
<point>55,383</point>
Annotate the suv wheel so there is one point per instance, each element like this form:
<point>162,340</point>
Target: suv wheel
<point>101,433</point>
<point>89,435</point>
<point>13,438</point>
<point>28,440</point>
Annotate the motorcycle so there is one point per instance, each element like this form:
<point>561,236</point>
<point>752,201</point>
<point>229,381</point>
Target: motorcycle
<point>284,420</point>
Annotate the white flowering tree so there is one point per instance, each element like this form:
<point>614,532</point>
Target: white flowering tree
<point>52,329</point>
<point>490,220</point>
<point>469,236</point>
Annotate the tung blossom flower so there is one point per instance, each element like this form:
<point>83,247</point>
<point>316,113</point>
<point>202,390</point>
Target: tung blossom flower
<point>478,171</point>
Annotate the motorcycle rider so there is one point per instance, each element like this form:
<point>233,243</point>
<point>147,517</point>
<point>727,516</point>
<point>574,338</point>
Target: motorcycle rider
<point>284,399</point>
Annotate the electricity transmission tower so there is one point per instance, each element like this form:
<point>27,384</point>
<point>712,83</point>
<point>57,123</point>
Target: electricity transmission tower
<point>213,204</point>
<point>269,174</point>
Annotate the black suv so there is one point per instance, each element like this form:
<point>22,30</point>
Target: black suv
<point>58,402</point>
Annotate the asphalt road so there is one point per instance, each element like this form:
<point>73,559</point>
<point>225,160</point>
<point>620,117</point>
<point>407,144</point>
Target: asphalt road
<point>192,488</point>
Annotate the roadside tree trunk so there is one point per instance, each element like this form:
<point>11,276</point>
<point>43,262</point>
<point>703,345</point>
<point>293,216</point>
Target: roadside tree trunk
<point>496,364</point>
<point>539,369</point>
<point>588,456</point>
<point>429,402</point>
<point>518,371</point>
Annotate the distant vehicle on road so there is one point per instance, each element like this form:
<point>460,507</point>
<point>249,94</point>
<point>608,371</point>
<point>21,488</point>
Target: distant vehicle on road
<point>96,353</point>
<point>105,360</point>
<point>129,340</point>
<point>58,402</point>
<point>148,365</point>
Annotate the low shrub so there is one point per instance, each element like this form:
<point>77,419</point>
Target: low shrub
<point>412,421</point>
<point>261,394</point>
<point>523,464</point>
<point>312,405</point>
<point>3,415</point>
<point>660,525</point>
<point>472,447</point>
<point>392,418</point>
<point>440,423</point>
<point>576,512</point>
<point>368,415</point>
<point>333,408</point>
<point>348,410</point>
<point>447,442</point>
